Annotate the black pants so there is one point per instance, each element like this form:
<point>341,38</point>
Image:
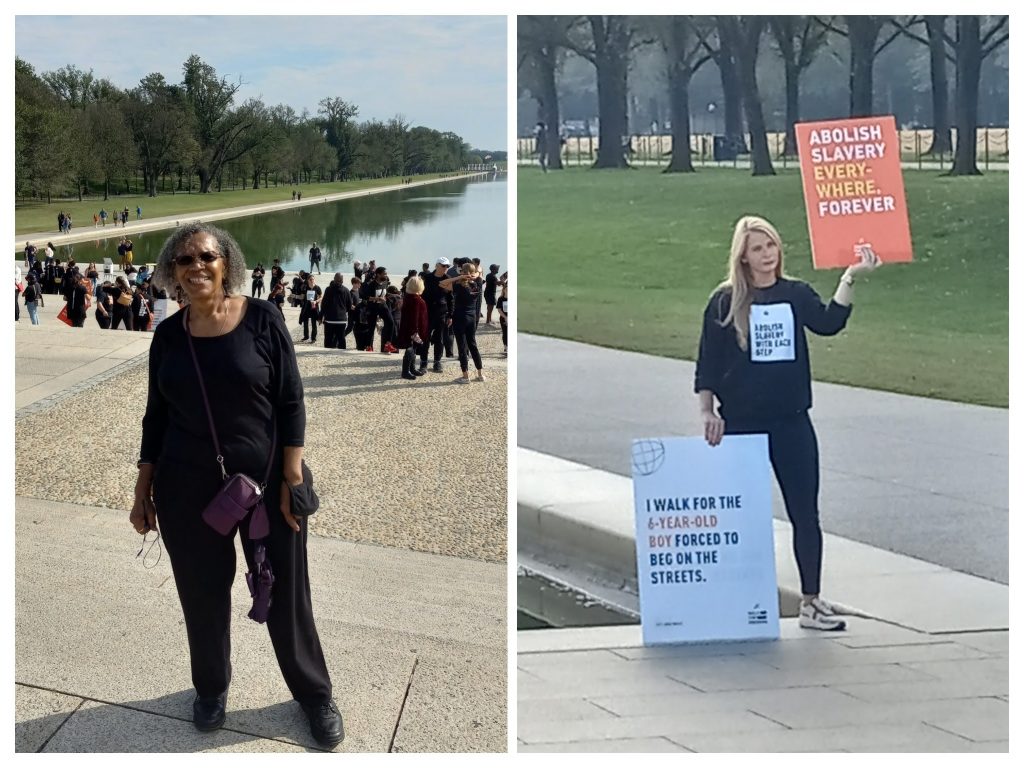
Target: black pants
<point>257,288</point>
<point>308,320</point>
<point>203,563</point>
<point>438,322</point>
<point>388,332</point>
<point>122,313</point>
<point>465,336</point>
<point>103,320</point>
<point>504,331</point>
<point>334,334</point>
<point>793,449</point>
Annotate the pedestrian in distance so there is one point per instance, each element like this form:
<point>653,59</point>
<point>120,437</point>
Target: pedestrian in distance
<point>762,380</point>
<point>33,297</point>
<point>225,397</point>
<point>314,259</point>
<point>491,291</point>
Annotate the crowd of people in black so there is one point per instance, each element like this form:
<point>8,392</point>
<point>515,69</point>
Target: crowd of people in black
<point>434,313</point>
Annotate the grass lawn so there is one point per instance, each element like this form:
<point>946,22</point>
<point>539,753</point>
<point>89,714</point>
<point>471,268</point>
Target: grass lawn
<point>40,217</point>
<point>627,259</point>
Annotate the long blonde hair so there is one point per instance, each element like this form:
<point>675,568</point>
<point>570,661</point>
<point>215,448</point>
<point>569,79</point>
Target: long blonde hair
<point>738,281</point>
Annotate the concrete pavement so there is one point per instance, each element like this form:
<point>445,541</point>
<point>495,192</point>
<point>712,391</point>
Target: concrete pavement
<point>415,648</point>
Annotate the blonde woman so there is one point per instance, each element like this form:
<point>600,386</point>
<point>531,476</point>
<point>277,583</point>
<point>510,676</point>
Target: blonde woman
<point>753,359</point>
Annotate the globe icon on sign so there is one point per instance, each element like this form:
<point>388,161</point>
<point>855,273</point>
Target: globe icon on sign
<point>648,456</point>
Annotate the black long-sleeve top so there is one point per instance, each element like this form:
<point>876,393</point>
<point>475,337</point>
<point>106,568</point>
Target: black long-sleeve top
<point>337,303</point>
<point>436,297</point>
<point>467,299</point>
<point>250,374</point>
<point>772,378</point>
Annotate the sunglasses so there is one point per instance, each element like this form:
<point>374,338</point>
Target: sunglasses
<point>185,260</point>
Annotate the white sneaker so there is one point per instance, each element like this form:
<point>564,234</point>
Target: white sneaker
<point>812,617</point>
<point>824,606</point>
<point>462,380</point>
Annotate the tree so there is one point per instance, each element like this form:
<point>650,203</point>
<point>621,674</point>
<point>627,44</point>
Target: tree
<point>223,135</point>
<point>863,33</point>
<point>972,46</point>
<point>606,42</point>
<point>798,40</point>
<point>336,117</point>
<point>42,135</point>
<point>541,48</point>
<point>725,58</point>
<point>683,40</point>
<point>743,34</point>
<point>161,124</point>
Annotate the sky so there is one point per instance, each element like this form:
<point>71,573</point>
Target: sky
<point>448,73</point>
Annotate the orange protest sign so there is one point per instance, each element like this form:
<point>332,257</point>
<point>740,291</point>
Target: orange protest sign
<point>853,189</point>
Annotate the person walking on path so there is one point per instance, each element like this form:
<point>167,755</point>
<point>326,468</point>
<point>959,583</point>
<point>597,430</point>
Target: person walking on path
<point>33,299</point>
<point>314,259</point>
<point>753,358</point>
<point>103,216</point>
<point>240,350</point>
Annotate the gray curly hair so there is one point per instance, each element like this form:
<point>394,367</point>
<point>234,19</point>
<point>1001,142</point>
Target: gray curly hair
<point>234,272</point>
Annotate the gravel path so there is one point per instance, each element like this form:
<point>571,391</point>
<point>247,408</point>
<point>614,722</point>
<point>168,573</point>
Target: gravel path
<point>427,469</point>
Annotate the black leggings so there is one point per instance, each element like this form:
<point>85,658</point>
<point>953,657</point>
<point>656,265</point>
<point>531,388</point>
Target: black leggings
<point>504,331</point>
<point>793,449</point>
<point>465,337</point>
<point>203,563</point>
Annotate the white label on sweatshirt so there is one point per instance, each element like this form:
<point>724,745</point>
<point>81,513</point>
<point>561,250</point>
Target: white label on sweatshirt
<point>771,333</point>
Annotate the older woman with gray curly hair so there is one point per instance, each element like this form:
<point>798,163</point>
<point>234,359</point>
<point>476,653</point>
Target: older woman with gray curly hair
<point>246,360</point>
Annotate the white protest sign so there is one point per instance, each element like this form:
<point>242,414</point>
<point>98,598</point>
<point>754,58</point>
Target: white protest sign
<point>159,311</point>
<point>705,542</point>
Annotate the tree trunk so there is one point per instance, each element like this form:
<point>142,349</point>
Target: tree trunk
<point>968,77</point>
<point>611,100</point>
<point>679,93</point>
<point>79,191</point>
<point>204,180</point>
<point>792,106</point>
<point>941,141</point>
<point>863,33</point>
<point>106,189</point>
<point>256,180</point>
<point>760,158</point>
<point>549,109</point>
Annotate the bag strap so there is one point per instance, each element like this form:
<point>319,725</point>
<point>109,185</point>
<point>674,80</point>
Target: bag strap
<point>209,412</point>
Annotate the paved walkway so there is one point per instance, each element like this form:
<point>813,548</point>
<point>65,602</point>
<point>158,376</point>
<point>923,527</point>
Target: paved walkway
<point>81,234</point>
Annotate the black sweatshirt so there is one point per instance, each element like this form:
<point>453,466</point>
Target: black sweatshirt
<point>772,378</point>
<point>250,374</point>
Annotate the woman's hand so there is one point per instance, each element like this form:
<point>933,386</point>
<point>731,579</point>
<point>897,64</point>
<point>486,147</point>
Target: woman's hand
<point>714,427</point>
<point>868,260</point>
<point>286,505</point>
<point>143,514</point>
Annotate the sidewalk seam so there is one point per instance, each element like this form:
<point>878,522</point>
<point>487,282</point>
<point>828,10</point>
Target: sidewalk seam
<point>401,708</point>
<point>62,723</point>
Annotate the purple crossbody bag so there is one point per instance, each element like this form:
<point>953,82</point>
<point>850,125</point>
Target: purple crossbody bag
<point>239,496</point>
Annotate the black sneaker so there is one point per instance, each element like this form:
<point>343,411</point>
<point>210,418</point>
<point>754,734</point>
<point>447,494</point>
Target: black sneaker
<point>438,368</point>
<point>421,370</point>
<point>325,723</point>
<point>208,712</point>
